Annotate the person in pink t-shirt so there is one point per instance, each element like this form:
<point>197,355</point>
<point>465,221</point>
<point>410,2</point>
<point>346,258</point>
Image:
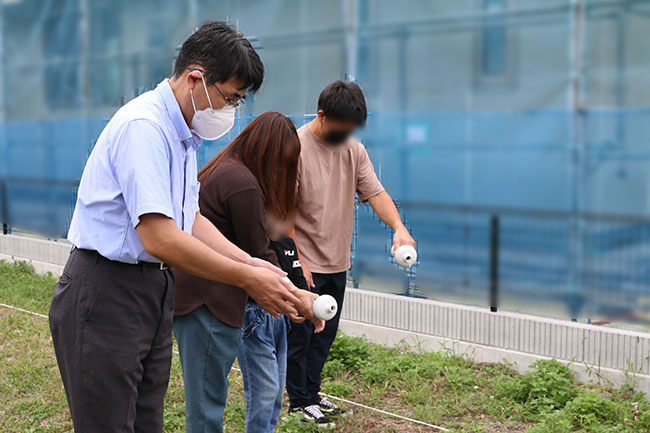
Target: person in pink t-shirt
<point>333,168</point>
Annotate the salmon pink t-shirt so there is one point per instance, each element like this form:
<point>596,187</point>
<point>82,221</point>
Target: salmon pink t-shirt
<point>329,177</point>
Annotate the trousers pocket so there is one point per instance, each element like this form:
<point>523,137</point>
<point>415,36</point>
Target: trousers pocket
<point>252,320</point>
<point>69,270</point>
<point>93,288</point>
<point>62,300</point>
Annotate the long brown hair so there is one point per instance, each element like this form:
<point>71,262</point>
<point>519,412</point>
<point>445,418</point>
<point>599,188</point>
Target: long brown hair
<point>269,147</point>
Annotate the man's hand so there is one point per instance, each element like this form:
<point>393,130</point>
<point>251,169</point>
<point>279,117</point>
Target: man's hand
<point>402,237</point>
<point>308,276</point>
<point>319,325</point>
<point>297,318</point>
<point>306,310</point>
<point>306,303</point>
<point>274,294</point>
<point>259,263</point>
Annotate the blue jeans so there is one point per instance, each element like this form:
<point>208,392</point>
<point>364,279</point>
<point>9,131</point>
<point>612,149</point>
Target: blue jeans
<point>208,348</point>
<point>263,362</point>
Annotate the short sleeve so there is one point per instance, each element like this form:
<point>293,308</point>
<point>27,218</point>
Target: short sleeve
<point>141,162</point>
<point>368,185</point>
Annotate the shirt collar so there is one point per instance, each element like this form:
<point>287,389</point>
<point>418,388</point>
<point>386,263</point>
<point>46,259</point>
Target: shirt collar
<point>187,137</point>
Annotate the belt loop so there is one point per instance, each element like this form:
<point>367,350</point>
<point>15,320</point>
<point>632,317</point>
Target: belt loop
<point>97,257</point>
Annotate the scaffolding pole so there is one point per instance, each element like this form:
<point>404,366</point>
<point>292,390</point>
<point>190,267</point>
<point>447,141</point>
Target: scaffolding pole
<point>577,155</point>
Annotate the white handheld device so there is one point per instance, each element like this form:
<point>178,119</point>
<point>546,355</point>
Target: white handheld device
<point>325,307</point>
<point>405,256</point>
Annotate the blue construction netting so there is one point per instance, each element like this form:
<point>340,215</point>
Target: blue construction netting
<point>536,113</point>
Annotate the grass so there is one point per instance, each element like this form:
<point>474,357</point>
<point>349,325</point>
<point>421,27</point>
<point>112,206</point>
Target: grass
<point>441,388</point>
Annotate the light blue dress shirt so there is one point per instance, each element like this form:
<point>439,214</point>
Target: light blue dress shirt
<point>143,162</point>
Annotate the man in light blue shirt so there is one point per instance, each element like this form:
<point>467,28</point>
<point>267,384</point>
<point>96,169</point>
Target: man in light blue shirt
<point>144,162</point>
<point>112,311</point>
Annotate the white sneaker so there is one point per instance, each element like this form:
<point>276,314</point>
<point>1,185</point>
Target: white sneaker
<point>330,409</point>
<point>313,414</point>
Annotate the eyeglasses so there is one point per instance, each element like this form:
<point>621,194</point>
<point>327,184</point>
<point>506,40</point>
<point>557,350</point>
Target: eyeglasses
<point>236,104</point>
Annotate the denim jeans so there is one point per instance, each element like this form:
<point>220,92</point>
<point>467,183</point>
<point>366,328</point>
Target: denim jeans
<point>263,362</point>
<point>208,348</point>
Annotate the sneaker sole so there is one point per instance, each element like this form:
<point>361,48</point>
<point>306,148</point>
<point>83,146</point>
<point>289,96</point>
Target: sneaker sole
<point>326,426</point>
<point>338,415</point>
<point>304,420</point>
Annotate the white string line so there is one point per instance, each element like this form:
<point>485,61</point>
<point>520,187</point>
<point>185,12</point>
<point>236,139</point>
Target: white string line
<point>354,403</point>
<point>369,407</point>
<point>11,307</point>
<point>385,412</point>
<point>394,415</point>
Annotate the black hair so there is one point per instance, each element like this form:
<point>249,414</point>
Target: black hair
<point>223,52</point>
<point>343,100</point>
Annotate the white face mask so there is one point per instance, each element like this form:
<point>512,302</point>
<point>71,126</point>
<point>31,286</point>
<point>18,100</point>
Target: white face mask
<point>212,123</point>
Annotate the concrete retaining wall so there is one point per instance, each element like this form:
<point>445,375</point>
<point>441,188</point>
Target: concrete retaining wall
<point>44,255</point>
<point>595,353</point>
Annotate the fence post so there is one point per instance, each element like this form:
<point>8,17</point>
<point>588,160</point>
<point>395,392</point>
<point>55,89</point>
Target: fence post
<point>4,203</point>
<point>494,263</point>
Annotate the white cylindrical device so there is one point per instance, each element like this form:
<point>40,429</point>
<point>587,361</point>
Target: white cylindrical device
<point>405,256</point>
<point>325,307</point>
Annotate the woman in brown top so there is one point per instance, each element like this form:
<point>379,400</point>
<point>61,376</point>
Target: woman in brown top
<point>257,170</point>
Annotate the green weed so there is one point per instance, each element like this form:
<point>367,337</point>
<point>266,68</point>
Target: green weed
<point>547,387</point>
<point>351,352</point>
<point>443,387</point>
